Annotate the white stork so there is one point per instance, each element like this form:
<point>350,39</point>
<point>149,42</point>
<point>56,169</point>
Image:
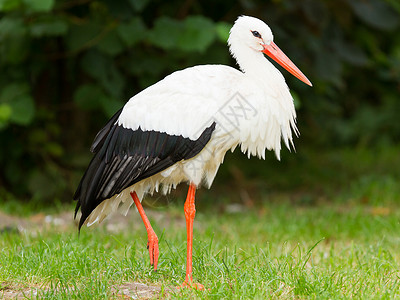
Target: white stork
<point>179,129</point>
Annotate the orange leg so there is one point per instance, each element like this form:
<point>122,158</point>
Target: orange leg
<point>152,243</point>
<point>190,212</point>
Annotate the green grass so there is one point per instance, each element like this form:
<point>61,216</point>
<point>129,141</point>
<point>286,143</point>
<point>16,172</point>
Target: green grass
<point>274,251</point>
<point>332,235</point>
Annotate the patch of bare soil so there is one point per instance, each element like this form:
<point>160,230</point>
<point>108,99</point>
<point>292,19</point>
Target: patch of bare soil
<point>134,290</point>
<point>128,290</point>
<point>14,291</point>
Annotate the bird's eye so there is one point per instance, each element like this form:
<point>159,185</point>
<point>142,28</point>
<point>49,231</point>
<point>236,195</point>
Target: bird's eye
<point>256,34</point>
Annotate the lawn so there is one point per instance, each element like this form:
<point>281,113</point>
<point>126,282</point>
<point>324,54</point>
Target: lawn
<point>318,245</point>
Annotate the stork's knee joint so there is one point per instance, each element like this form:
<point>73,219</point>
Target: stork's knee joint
<point>190,211</point>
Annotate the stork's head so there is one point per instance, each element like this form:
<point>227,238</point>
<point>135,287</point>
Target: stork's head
<point>257,36</point>
<point>252,32</point>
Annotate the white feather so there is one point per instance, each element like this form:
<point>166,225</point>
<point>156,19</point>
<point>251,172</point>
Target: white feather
<point>252,108</point>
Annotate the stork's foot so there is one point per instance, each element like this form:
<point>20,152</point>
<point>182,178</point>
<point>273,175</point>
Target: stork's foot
<point>152,245</point>
<point>192,285</point>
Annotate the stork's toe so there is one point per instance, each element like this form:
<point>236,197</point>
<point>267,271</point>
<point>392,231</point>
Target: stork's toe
<point>152,245</point>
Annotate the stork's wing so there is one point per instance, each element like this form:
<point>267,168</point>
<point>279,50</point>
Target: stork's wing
<point>124,156</point>
<point>184,102</point>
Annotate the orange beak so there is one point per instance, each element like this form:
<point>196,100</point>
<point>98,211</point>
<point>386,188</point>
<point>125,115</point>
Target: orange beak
<point>273,51</point>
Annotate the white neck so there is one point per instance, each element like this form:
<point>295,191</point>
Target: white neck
<point>255,65</point>
<point>259,69</point>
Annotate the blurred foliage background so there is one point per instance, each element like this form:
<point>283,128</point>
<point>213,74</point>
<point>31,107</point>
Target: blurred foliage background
<point>66,66</point>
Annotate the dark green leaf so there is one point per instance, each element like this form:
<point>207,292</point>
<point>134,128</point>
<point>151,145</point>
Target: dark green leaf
<point>222,29</point>
<point>39,5</point>
<point>96,64</point>
<point>48,27</point>
<point>113,82</point>
<point>328,67</point>
<point>132,31</point>
<point>54,149</point>
<point>375,13</point>
<point>111,106</point>
<point>12,28</point>
<point>13,91</point>
<point>395,4</point>
<point>14,51</point>
<point>89,97</point>
<point>197,35</point>
<point>138,5</point>
<point>103,69</point>
<point>5,114</point>
<point>166,33</point>
<point>110,44</point>
<point>83,36</point>
<point>14,44</point>
<point>139,63</point>
<point>351,54</point>
<point>18,97</point>
<point>23,110</point>
<point>8,5</point>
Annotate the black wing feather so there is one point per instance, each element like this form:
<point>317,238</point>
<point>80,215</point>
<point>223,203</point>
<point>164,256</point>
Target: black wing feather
<point>102,135</point>
<point>124,157</point>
